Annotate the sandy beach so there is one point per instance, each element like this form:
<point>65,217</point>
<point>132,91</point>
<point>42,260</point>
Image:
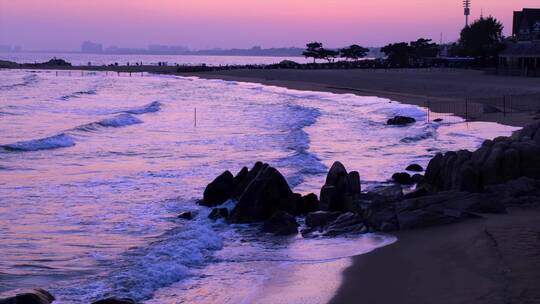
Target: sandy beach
<point>443,87</point>
<point>491,260</point>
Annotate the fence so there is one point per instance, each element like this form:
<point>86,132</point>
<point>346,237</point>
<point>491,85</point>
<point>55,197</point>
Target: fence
<point>478,108</point>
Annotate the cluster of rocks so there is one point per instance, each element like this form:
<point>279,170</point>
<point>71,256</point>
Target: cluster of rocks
<point>263,194</point>
<point>495,162</point>
<point>456,186</point>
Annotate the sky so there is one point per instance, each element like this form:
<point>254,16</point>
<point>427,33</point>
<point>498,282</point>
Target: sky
<point>200,24</point>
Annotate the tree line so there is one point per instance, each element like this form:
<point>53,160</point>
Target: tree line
<point>482,40</point>
<point>316,51</point>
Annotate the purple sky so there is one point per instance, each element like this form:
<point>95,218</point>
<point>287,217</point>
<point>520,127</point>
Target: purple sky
<point>64,24</point>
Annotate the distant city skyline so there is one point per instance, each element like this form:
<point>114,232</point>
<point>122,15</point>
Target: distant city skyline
<point>205,24</point>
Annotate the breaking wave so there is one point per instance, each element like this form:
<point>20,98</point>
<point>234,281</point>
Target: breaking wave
<point>79,94</point>
<point>149,108</point>
<point>64,140</point>
<point>52,142</point>
<point>26,81</point>
<point>117,121</point>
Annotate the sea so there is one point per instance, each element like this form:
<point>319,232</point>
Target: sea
<point>95,168</point>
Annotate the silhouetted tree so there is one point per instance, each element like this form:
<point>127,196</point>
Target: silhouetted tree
<point>329,54</point>
<point>398,53</point>
<point>314,50</point>
<point>482,40</point>
<point>424,48</point>
<point>353,52</point>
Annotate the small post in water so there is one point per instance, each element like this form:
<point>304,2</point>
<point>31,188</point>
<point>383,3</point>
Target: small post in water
<point>195,116</point>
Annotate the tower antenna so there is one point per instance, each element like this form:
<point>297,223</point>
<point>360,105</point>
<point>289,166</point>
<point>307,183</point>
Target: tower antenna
<point>467,11</point>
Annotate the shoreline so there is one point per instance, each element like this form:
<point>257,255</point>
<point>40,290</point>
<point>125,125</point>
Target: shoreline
<point>443,90</point>
<point>493,259</point>
<point>489,260</point>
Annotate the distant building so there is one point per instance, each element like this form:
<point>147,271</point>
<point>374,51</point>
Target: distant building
<point>526,25</point>
<point>91,47</point>
<point>522,55</point>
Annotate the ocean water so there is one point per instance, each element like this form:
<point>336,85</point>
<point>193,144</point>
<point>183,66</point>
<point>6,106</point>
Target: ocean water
<point>95,168</point>
<point>104,59</point>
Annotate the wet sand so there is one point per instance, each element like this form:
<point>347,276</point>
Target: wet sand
<point>436,86</point>
<point>492,260</point>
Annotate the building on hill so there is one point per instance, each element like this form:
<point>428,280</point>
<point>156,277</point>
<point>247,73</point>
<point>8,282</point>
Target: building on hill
<point>522,54</point>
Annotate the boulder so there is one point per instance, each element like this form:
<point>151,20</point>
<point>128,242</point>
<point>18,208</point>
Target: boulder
<point>219,190</point>
<point>417,178</point>
<point>186,215</point>
<point>281,223</point>
<point>346,223</point>
<point>340,188</point>
<point>34,296</point>
<point>218,213</point>
<point>321,218</point>
<point>267,193</point>
<point>402,178</point>
<point>308,203</point>
<point>400,120</point>
<point>388,193</point>
<point>114,300</point>
<point>414,168</point>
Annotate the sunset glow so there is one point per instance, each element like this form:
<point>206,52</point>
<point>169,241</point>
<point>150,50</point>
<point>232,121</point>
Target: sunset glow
<point>64,24</point>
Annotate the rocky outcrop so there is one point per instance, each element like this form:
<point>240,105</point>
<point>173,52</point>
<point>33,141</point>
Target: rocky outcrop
<point>321,218</point>
<point>306,204</point>
<point>495,162</point>
<point>334,223</point>
<point>218,213</point>
<point>34,296</point>
<point>219,190</point>
<point>402,178</point>
<point>267,193</point>
<point>281,223</point>
<point>400,120</point>
<point>414,168</point>
<point>340,189</point>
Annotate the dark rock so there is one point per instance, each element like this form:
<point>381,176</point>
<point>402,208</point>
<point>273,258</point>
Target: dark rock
<point>388,193</point>
<point>340,189</point>
<point>267,193</point>
<point>219,190</point>
<point>115,301</point>
<point>417,178</point>
<point>218,213</point>
<point>495,162</point>
<point>346,223</point>
<point>414,168</point>
<point>438,120</point>
<point>308,203</point>
<point>34,296</point>
<point>186,215</point>
<point>402,178</point>
<point>321,218</point>
<point>401,120</point>
<point>419,192</point>
<point>281,223</point>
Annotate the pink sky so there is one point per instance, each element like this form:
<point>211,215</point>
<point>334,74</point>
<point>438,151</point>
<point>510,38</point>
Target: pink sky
<point>64,24</point>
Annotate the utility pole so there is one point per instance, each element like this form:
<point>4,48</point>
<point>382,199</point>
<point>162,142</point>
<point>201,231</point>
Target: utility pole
<point>467,11</point>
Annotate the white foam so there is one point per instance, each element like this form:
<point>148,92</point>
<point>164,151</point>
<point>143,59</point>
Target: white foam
<point>118,121</point>
<point>53,142</point>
